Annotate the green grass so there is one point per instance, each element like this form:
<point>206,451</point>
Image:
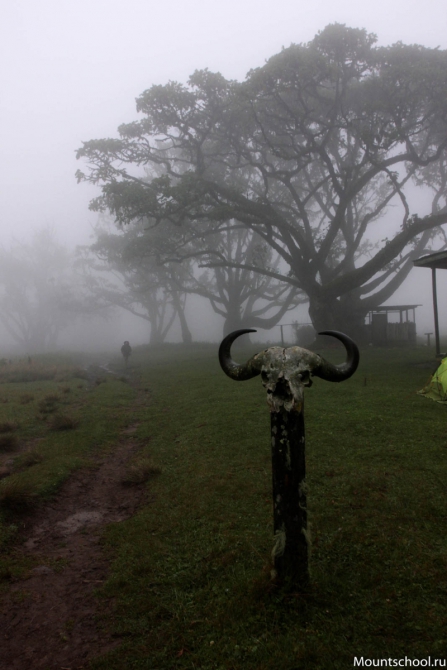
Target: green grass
<point>190,579</point>
<point>189,583</point>
<point>41,368</point>
<point>57,428</point>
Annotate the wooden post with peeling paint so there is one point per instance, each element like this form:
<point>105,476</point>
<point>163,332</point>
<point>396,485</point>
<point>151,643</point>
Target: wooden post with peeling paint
<point>290,553</point>
<point>285,373</point>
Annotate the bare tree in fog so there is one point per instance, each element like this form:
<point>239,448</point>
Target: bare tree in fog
<point>310,151</point>
<point>122,269</point>
<point>38,292</point>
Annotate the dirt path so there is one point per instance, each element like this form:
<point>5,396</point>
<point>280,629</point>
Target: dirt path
<point>49,621</point>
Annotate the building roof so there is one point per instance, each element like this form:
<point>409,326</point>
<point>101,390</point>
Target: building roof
<point>437,260</point>
<point>394,308</point>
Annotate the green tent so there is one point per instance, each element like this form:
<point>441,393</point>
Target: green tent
<point>437,388</point>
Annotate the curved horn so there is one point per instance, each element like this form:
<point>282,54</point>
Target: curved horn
<point>232,369</point>
<point>338,373</point>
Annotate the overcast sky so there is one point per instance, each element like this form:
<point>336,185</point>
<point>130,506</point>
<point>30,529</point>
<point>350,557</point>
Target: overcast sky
<point>71,70</point>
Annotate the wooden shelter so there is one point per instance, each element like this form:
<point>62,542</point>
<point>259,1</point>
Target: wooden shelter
<point>436,261</point>
<point>384,333</point>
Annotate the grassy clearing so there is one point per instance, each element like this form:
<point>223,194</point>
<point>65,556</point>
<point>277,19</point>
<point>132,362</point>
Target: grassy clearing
<point>189,584</point>
<point>38,369</point>
<point>190,577</point>
<point>48,427</point>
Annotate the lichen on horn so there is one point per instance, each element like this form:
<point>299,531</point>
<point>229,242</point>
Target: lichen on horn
<point>230,367</point>
<point>295,364</point>
<point>338,373</point>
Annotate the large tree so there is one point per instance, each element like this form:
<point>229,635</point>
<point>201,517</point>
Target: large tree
<point>310,151</point>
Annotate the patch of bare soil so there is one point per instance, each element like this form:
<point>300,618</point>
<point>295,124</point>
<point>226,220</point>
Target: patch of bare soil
<point>50,620</point>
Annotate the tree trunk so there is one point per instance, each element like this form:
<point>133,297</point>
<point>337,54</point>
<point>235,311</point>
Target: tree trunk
<point>290,553</point>
<point>180,309</point>
<point>186,333</point>
<point>346,315</point>
<point>234,321</point>
<point>231,324</point>
<point>156,337</point>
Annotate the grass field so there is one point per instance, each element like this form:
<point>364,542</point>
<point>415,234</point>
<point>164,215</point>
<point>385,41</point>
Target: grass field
<point>51,423</point>
<point>189,585</point>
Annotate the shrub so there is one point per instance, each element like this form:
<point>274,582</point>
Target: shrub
<point>8,443</point>
<point>140,471</point>
<point>5,471</point>
<point>25,398</point>
<point>8,426</point>
<point>30,458</point>
<point>51,398</point>
<point>63,422</point>
<point>48,404</point>
<point>16,496</point>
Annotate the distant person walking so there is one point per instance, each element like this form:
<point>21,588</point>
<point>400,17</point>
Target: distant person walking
<point>126,350</point>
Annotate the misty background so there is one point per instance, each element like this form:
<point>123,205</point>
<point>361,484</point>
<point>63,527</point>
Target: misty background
<point>71,71</point>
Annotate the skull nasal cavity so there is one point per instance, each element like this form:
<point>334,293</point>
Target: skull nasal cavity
<point>282,388</point>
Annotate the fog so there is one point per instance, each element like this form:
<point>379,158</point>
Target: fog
<point>71,71</point>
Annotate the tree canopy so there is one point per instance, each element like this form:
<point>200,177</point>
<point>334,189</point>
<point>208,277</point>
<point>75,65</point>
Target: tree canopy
<point>310,151</point>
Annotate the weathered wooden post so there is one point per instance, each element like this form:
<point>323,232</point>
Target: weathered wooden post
<point>285,373</point>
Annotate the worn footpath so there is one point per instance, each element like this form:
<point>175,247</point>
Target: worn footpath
<point>53,619</point>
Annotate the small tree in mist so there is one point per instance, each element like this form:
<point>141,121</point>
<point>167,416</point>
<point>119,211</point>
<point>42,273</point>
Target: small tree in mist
<point>149,271</point>
<point>310,151</point>
<point>122,269</point>
<point>38,292</point>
